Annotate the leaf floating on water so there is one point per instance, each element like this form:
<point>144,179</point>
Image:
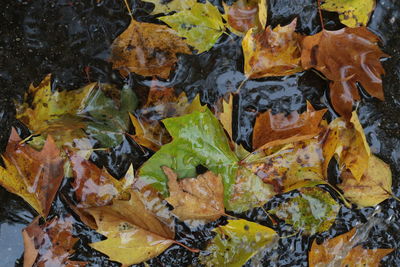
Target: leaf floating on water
<point>374,186</point>
<point>272,52</point>
<point>346,57</point>
<point>162,6</point>
<point>272,130</point>
<point>236,242</point>
<point>134,234</point>
<point>147,49</point>
<point>200,198</point>
<point>201,25</point>
<point>33,175</point>
<point>313,211</point>
<point>352,13</point>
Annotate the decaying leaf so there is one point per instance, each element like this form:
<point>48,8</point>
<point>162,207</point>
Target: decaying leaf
<point>313,211</point>
<point>347,141</point>
<point>161,103</point>
<point>352,13</point>
<point>273,130</point>
<point>374,186</point>
<point>147,49</point>
<point>236,242</point>
<point>50,244</point>
<point>271,52</point>
<point>201,25</point>
<point>346,57</point>
<point>33,175</point>
<point>243,15</point>
<point>161,6</point>
<point>200,198</point>
<point>342,251</point>
<point>134,234</point>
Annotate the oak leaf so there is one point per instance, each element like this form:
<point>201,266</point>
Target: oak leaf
<point>346,57</point>
<point>352,13</point>
<point>134,234</point>
<point>147,49</point>
<point>200,198</point>
<point>161,6</point>
<point>33,175</point>
<point>272,130</point>
<point>271,52</point>
<point>201,25</point>
<point>342,251</point>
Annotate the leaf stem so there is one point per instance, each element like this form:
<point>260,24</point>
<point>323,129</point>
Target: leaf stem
<point>194,250</point>
<point>129,9</point>
<point>320,14</point>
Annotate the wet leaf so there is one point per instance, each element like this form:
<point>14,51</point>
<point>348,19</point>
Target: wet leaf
<point>50,244</point>
<point>347,141</point>
<point>200,198</point>
<point>346,57</point>
<point>243,15</point>
<point>374,186</point>
<point>161,6</point>
<point>272,130</point>
<point>33,175</point>
<point>198,139</point>
<point>134,234</point>
<point>313,211</point>
<point>225,117</point>
<point>201,25</point>
<point>147,49</point>
<point>341,251</point>
<point>161,103</point>
<point>271,52</point>
<point>236,242</point>
<point>352,13</point>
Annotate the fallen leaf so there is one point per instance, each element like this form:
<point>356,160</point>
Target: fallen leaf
<point>271,52</point>
<point>342,251</point>
<point>243,15</point>
<point>225,117</point>
<point>50,244</point>
<point>198,139</point>
<point>200,198</point>
<point>312,211</point>
<point>161,103</point>
<point>201,25</point>
<point>352,13</point>
<point>236,242</point>
<point>346,57</point>
<point>134,234</point>
<point>374,186</point>
<point>147,49</point>
<point>161,6</point>
<point>347,141</point>
<point>33,175</point>
<point>272,130</point>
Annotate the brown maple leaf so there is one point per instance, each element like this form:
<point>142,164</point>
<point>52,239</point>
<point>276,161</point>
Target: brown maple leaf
<point>346,57</point>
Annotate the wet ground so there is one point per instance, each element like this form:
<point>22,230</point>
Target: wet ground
<point>71,40</point>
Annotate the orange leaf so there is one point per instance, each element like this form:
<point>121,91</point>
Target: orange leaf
<point>346,57</point>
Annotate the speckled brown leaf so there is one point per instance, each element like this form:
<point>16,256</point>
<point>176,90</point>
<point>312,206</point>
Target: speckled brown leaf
<point>147,49</point>
<point>346,57</point>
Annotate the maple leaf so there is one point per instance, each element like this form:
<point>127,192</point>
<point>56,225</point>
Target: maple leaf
<point>147,49</point>
<point>50,244</point>
<point>202,25</point>
<point>352,13</point>
<point>313,211</point>
<point>347,141</point>
<point>134,234</point>
<point>33,175</point>
<point>236,242</point>
<point>161,103</point>
<point>272,130</point>
<point>342,251</point>
<point>161,6</point>
<point>200,198</point>
<point>346,57</point>
<point>374,186</point>
<point>271,52</point>
<point>243,15</point>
